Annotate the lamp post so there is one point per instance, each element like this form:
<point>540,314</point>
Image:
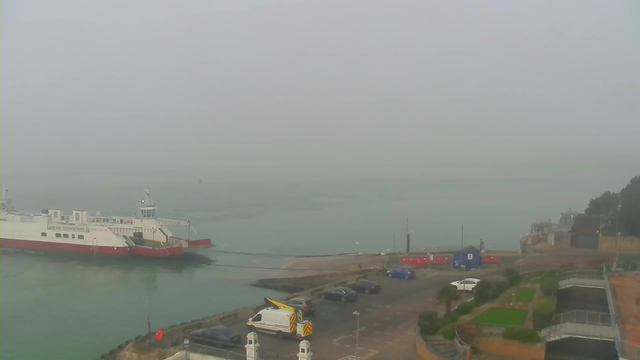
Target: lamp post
<point>617,234</point>
<point>357,331</point>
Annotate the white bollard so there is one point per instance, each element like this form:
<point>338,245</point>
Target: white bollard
<point>252,346</point>
<point>305,350</point>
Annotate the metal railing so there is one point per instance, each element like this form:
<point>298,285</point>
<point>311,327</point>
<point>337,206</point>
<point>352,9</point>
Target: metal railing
<point>583,317</point>
<point>592,274</point>
<point>570,329</point>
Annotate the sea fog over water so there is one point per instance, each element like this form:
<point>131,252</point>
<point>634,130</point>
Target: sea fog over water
<point>80,307</point>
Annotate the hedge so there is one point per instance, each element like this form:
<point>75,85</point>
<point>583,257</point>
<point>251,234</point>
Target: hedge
<point>543,312</point>
<point>465,308</point>
<point>549,285</point>
<point>522,335</point>
<point>429,323</point>
<point>513,276</point>
<point>448,331</point>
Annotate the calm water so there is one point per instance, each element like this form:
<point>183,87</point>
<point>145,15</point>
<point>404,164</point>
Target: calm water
<point>78,307</point>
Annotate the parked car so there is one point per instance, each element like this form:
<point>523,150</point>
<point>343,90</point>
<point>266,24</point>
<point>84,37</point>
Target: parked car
<point>341,293</point>
<point>216,335</point>
<point>402,273</point>
<point>365,286</point>
<point>307,306</point>
<point>468,284</point>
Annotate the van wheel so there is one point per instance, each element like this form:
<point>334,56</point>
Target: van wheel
<point>343,299</point>
<point>322,297</point>
<point>406,277</point>
<point>280,335</point>
<point>367,291</point>
<point>390,275</point>
<point>252,328</point>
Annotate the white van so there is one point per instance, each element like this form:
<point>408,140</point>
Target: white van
<point>282,322</point>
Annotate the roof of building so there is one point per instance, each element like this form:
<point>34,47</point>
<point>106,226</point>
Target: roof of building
<point>626,298</point>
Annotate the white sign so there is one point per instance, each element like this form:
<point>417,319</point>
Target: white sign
<point>68,228</point>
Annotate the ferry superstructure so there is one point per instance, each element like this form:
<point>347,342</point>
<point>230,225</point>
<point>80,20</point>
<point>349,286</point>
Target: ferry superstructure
<point>52,230</point>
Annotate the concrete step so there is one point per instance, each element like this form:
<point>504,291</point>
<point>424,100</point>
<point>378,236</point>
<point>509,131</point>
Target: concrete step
<point>446,350</point>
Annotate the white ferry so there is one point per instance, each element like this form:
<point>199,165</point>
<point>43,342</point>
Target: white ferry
<point>142,235</point>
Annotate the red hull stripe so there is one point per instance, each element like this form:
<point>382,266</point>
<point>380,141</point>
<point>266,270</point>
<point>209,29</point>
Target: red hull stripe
<point>151,252</point>
<point>88,249</point>
<point>52,246</point>
<point>203,242</point>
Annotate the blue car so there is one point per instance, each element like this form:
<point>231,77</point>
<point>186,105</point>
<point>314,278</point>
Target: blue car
<point>402,273</point>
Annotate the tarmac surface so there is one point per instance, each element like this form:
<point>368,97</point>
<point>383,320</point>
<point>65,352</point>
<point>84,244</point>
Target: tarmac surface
<point>388,319</point>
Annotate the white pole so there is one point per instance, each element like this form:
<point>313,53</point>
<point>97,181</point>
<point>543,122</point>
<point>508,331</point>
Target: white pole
<point>357,331</point>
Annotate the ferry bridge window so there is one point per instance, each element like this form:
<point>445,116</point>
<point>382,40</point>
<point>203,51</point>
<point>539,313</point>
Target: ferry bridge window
<point>66,236</point>
<point>58,235</point>
<point>81,237</point>
<point>43,234</point>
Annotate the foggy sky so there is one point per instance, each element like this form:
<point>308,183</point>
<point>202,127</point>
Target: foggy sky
<point>317,89</point>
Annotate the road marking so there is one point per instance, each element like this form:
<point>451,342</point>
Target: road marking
<point>347,345</point>
<point>335,341</point>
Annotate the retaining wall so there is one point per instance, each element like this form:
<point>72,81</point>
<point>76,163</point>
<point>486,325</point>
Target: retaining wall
<point>507,348</point>
<point>626,243</point>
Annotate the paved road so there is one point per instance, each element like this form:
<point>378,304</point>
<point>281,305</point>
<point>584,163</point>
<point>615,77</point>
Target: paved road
<point>387,319</point>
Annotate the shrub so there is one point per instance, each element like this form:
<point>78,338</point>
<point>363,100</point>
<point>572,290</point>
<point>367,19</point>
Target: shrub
<point>452,318</point>
<point>522,335</point>
<point>429,323</point>
<point>512,276</point>
<point>465,308</point>
<point>485,291</point>
<point>549,285</point>
<point>501,286</point>
<point>543,312</point>
<point>448,331</point>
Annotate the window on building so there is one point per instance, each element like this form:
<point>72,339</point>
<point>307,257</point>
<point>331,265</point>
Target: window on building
<point>77,217</point>
<point>469,256</point>
<point>66,236</point>
<point>58,235</point>
<point>73,236</point>
<point>81,237</point>
<point>43,234</point>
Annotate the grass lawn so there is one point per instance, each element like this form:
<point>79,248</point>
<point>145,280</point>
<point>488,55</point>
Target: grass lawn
<point>525,295</point>
<point>502,317</point>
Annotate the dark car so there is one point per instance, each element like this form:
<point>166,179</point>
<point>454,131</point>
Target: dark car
<point>307,306</point>
<point>341,293</point>
<point>216,335</point>
<point>365,286</point>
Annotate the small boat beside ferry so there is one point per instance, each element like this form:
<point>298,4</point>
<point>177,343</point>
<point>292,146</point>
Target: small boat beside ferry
<point>79,232</point>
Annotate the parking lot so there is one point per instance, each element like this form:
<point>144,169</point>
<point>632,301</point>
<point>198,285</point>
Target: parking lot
<point>387,320</point>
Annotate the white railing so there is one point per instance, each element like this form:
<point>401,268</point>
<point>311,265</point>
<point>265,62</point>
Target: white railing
<point>583,317</point>
<point>588,331</point>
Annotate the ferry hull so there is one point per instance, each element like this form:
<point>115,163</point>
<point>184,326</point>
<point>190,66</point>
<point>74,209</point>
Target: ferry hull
<point>53,246</point>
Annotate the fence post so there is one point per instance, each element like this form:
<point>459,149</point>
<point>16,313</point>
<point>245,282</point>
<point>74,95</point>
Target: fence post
<point>252,346</point>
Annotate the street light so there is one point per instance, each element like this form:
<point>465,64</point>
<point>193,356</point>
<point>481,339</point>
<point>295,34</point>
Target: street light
<point>357,331</point>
